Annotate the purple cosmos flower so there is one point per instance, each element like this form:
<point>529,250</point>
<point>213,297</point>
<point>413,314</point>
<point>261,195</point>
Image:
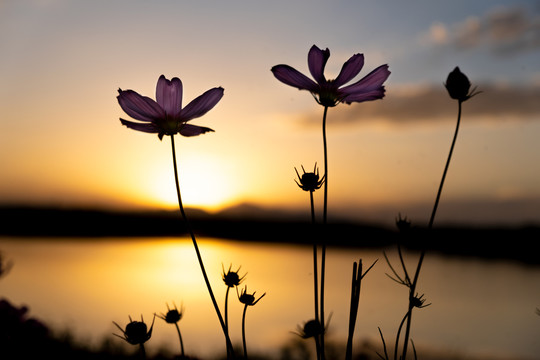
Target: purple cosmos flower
<point>331,92</point>
<point>165,116</point>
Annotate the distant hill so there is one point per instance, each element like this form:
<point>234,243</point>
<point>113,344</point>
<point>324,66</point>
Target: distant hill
<point>252,223</point>
<point>243,221</point>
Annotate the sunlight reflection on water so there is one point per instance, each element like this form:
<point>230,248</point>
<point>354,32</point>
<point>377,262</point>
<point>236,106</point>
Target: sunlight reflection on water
<point>85,284</point>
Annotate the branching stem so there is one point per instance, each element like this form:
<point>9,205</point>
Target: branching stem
<point>430,226</point>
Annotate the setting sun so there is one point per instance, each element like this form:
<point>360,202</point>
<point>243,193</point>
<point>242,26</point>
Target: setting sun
<point>204,183</point>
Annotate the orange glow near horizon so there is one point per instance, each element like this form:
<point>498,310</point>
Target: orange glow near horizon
<point>62,142</point>
<point>204,182</point>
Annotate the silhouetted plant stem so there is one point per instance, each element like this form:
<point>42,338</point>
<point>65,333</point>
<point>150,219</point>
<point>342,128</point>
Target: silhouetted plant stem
<point>315,273</point>
<point>433,212</point>
<point>180,339</point>
<point>384,346</point>
<point>244,331</point>
<point>325,150</point>
<point>230,351</point>
<point>430,226</point>
<point>407,279</point>
<point>407,316</point>
<point>325,218</point>
<point>226,309</point>
<point>142,351</point>
<point>318,345</point>
<point>312,206</point>
<point>411,306</point>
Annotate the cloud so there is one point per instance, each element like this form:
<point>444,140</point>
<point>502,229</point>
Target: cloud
<point>416,104</point>
<point>438,34</point>
<point>504,31</point>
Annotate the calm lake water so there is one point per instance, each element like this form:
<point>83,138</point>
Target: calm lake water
<point>479,307</point>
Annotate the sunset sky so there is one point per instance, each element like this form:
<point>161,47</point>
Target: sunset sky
<point>61,141</point>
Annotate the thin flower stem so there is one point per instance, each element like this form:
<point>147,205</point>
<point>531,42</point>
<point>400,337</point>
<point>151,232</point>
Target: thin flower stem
<point>384,347</point>
<point>325,217</point>
<point>430,226</point>
<point>414,350</point>
<point>244,331</point>
<point>445,168</point>
<point>312,207</point>
<point>230,350</point>
<point>315,273</point>
<point>407,332</point>
<point>411,297</point>
<point>406,277</point>
<point>180,338</point>
<point>407,316</point>
<point>143,350</point>
<point>226,308</point>
<point>325,208</point>
<point>317,343</point>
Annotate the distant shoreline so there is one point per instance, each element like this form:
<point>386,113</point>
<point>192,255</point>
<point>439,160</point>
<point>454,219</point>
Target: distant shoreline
<point>513,243</point>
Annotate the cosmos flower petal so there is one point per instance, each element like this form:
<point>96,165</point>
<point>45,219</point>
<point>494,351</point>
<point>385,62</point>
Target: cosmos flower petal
<point>371,81</point>
<point>317,59</point>
<point>293,77</point>
<point>139,107</point>
<point>193,130</point>
<point>368,88</point>
<point>365,96</point>
<point>144,127</point>
<point>169,95</point>
<point>202,104</point>
<point>350,69</point>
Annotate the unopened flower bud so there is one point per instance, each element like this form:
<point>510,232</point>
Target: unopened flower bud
<point>458,86</point>
<point>232,278</point>
<point>136,332</point>
<point>418,301</point>
<point>403,224</point>
<point>309,181</point>
<point>172,316</point>
<point>311,328</point>
<point>248,299</point>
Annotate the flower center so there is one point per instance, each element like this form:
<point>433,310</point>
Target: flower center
<point>169,125</point>
<point>328,95</point>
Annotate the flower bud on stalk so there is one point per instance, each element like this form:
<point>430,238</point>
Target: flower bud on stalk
<point>458,86</point>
